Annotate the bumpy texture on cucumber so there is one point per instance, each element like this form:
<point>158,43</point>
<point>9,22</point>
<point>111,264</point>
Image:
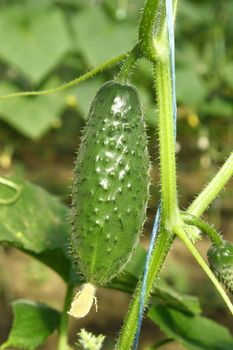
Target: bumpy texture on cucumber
<point>111,184</point>
<point>221,263</point>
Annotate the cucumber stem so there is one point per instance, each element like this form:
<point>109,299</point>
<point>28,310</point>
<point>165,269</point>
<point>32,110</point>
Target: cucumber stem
<point>203,226</point>
<point>71,83</point>
<point>146,29</point>
<point>127,67</point>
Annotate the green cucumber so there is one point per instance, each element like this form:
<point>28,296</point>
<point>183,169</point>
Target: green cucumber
<point>220,259</point>
<point>111,184</point>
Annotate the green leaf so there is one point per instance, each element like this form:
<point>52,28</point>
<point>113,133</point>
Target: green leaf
<point>217,107</point>
<point>160,343</point>
<point>37,224</point>
<point>33,38</point>
<point>98,37</point>
<point>195,15</point>
<point>135,267</point>
<point>32,325</point>
<point>32,116</point>
<point>194,332</point>
<point>85,93</point>
<point>191,89</point>
<point>188,56</point>
<point>148,106</point>
<point>228,73</point>
<point>162,294</point>
<point>167,295</point>
<point>127,281</point>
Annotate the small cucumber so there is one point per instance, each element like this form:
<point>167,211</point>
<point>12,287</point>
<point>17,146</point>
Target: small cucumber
<point>221,263</point>
<point>111,184</point>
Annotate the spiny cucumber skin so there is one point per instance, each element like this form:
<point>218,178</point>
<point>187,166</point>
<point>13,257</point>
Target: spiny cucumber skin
<point>221,263</point>
<point>111,184</point>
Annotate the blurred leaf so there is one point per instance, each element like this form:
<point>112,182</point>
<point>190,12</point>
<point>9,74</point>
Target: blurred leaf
<point>125,283</point>
<point>228,73</point>
<point>187,55</point>
<point>217,107</point>
<point>124,10</point>
<point>160,343</point>
<point>151,116</point>
<point>163,293</point>
<point>135,266</point>
<point>170,297</point>
<point>195,14</point>
<point>37,224</point>
<point>98,37</point>
<point>33,38</point>
<point>194,332</point>
<point>33,323</point>
<point>32,116</point>
<point>128,279</point>
<point>191,89</point>
<point>148,106</point>
<point>84,94</point>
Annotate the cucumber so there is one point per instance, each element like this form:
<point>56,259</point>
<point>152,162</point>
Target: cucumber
<point>111,184</point>
<point>221,263</point>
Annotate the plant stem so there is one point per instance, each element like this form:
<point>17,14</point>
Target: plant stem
<point>146,29</point>
<point>170,212</point>
<point>204,199</point>
<point>183,236</point>
<point>74,82</point>
<point>203,226</point>
<point>63,329</point>
<point>127,334</point>
<point>127,66</point>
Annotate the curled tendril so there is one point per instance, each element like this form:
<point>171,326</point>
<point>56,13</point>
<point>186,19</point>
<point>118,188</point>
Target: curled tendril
<point>12,185</point>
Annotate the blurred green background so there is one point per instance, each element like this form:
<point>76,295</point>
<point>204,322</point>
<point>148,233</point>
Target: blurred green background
<point>48,42</point>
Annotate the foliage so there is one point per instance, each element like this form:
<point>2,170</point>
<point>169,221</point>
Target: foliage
<point>47,42</point>
<point>194,332</point>
<point>33,323</point>
<point>70,47</point>
<point>37,224</point>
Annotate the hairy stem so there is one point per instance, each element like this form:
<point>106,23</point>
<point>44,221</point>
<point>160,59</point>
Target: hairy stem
<point>63,329</point>
<point>74,82</point>
<point>203,226</point>
<point>127,335</point>
<point>210,192</point>
<point>128,65</point>
<point>170,212</point>
<point>146,29</point>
